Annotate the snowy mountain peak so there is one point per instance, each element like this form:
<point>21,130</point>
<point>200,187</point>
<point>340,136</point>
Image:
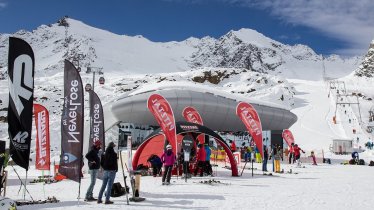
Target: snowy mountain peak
<point>366,69</point>
<point>252,36</point>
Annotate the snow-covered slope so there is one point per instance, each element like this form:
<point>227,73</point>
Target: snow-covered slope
<point>240,62</point>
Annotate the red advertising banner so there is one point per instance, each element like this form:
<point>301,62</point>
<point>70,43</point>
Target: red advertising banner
<point>43,161</point>
<point>162,111</point>
<point>288,137</point>
<point>252,122</point>
<point>192,115</point>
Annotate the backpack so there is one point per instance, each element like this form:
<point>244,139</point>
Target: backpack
<point>118,190</point>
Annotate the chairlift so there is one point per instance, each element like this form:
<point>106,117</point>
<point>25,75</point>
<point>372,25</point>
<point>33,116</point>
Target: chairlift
<point>101,80</point>
<point>88,87</point>
<point>88,70</point>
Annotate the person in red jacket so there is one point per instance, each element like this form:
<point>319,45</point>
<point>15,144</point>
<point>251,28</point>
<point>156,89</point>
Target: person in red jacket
<point>201,158</point>
<point>233,146</point>
<point>297,150</point>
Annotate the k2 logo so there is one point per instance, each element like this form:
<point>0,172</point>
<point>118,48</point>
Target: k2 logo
<point>22,63</point>
<point>21,137</point>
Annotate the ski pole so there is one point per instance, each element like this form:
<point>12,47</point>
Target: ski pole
<point>22,182</point>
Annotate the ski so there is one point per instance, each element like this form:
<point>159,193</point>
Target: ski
<point>135,193</point>
<point>124,178</point>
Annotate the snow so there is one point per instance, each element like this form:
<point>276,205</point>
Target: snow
<point>313,187</point>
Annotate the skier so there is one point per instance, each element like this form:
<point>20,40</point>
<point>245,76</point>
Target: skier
<point>93,166</point>
<point>201,158</point>
<point>258,155</point>
<point>297,150</point>
<point>156,164</point>
<point>291,157</point>
<point>265,162</point>
<point>233,146</point>
<point>313,158</point>
<point>168,159</point>
<point>110,166</point>
<point>208,167</point>
<point>277,152</point>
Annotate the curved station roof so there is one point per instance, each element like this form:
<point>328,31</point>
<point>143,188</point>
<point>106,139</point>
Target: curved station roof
<point>217,108</point>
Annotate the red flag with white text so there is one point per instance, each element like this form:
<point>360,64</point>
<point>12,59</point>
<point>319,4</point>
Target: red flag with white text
<point>252,122</point>
<point>288,137</point>
<point>42,161</point>
<point>162,111</point>
<point>192,115</point>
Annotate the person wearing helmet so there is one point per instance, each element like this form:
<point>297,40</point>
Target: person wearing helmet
<point>168,159</point>
<point>93,159</point>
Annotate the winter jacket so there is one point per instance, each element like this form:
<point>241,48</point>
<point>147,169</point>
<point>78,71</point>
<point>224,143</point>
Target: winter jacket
<point>93,158</point>
<point>292,150</point>
<point>155,161</point>
<point>233,146</point>
<point>168,158</point>
<point>208,152</point>
<point>297,151</point>
<point>109,160</point>
<point>266,154</point>
<point>201,154</point>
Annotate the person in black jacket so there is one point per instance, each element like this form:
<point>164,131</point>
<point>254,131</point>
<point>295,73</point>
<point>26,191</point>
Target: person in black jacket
<point>110,166</point>
<point>94,166</point>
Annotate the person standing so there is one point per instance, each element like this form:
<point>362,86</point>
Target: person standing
<point>110,166</point>
<point>258,155</point>
<point>168,159</point>
<point>313,157</point>
<point>201,158</point>
<point>277,158</point>
<point>291,157</point>
<point>208,167</point>
<point>233,146</point>
<point>265,161</point>
<point>93,166</point>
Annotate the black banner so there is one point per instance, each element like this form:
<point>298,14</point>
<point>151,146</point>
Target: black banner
<point>21,66</point>
<point>72,122</point>
<point>187,143</point>
<point>97,132</point>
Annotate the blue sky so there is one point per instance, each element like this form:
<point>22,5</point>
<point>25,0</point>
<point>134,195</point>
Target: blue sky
<point>344,27</point>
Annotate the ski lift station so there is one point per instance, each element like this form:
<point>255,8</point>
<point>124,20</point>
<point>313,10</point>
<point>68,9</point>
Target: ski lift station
<point>217,109</point>
<point>342,146</point>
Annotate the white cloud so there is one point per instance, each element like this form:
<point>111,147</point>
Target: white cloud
<point>351,21</point>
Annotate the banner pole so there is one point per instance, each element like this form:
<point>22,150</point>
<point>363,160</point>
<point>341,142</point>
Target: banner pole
<point>80,178</point>
<point>22,182</point>
<point>24,191</point>
<point>43,183</point>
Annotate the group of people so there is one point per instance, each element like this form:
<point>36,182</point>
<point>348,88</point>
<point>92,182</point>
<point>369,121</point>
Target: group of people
<point>108,161</point>
<point>294,153</point>
<point>168,159</point>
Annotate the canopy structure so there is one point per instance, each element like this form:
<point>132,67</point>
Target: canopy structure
<point>154,143</point>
